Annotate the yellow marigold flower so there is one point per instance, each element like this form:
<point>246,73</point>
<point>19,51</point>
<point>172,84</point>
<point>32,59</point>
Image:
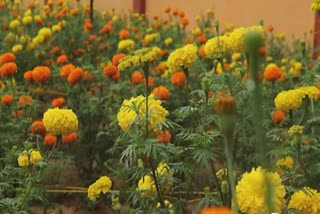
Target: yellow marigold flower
<point>23,159</point>
<point>295,68</point>
<point>284,61</point>
<point>27,12</point>
<point>284,163</point>
<point>35,156</point>
<point>14,24</point>
<point>37,18</point>
<point>168,41</point>
<point>307,201</point>
<point>56,28</point>
<point>27,20</point>
<point>60,121</point>
<point>165,175</point>
<point>45,32</point>
<point>217,46</point>
<point>182,57</point>
<point>139,58</point>
<point>16,48</point>
<point>295,129</point>
<point>151,37</point>
<point>196,31</point>
<point>236,56</point>
<point>103,184</point>
<point>311,91</point>
<point>315,5</point>
<point>286,100</point>
<point>251,191</point>
<point>133,111</point>
<point>237,37</point>
<point>168,205</point>
<point>146,185</point>
<point>126,45</point>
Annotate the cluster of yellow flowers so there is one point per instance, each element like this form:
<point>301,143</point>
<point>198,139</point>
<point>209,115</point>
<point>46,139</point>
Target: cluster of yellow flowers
<point>133,111</point>
<point>182,58</point>
<point>30,157</point>
<point>251,192</point>
<point>139,57</point>
<point>292,99</point>
<point>231,42</point>
<point>60,121</point>
<point>103,184</point>
<point>315,5</point>
<point>147,185</point>
<point>306,201</point>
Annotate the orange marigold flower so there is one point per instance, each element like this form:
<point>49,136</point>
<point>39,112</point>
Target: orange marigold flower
<point>202,38</point>
<point>164,137</point>
<point>167,9</point>
<point>123,34</point>
<point>278,116</point>
<point>6,99</point>
<point>41,73</point>
<point>150,81</point>
<point>270,28</point>
<point>37,127</point>
<point>161,92</point>
<point>87,76</point>
<point>109,70</point>
<point>17,113</point>
<point>58,102</point>
<point>24,100</point>
<point>66,70</point>
<point>75,75</point>
<point>8,69</point>
<point>184,21</point>
<point>136,77</point>
<point>272,72</point>
<point>55,50</point>
<point>7,57</point>
<point>181,13</point>
<point>50,139</point>
<point>178,78</point>
<point>216,210</point>
<point>28,76</point>
<point>116,76</point>
<point>69,138</point>
<point>116,58</point>
<point>202,53</point>
<point>62,59</point>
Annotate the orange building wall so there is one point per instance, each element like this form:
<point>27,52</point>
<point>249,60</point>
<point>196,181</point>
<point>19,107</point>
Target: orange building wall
<point>291,16</point>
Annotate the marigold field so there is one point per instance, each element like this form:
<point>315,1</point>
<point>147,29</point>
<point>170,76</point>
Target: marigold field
<point>123,113</point>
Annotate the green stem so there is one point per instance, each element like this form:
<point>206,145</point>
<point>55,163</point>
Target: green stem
<point>307,175</point>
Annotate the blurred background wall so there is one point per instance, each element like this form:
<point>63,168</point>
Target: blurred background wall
<point>294,17</point>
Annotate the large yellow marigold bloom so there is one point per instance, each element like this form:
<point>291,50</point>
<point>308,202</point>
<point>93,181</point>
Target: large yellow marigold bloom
<point>133,111</point>
<point>307,201</point>
<point>35,156</point>
<point>284,164</point>
<point>286,100</point>
<point>237,37</point>
<point>103,184</point>
<point>217,46</point>
<point>60,121</point>
<point>251,191</point>
<point>182,58</point>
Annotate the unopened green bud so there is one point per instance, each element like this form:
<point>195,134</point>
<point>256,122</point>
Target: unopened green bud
<point>205,84</point>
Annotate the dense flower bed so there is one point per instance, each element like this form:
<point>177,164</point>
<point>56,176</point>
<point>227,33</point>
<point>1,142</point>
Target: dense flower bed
<point>225,118</point>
